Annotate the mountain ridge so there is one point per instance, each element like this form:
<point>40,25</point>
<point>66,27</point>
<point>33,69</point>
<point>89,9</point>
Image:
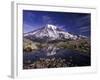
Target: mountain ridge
<point>51,32</point>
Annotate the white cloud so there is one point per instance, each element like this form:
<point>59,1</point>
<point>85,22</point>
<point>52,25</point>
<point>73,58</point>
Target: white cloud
<point>47,20</point>
<point>84,29</point>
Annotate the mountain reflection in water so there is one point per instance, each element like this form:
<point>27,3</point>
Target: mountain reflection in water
<point>53,55</point>
<point>51,50</point>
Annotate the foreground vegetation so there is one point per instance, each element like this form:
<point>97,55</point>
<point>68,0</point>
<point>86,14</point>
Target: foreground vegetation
<point>48,63</point>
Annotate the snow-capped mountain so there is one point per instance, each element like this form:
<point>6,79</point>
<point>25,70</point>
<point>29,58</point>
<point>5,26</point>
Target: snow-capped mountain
<point>50,32</point>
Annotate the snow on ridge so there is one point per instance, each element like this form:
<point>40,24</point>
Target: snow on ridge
<point>51,26</point>
<point>52,32</point>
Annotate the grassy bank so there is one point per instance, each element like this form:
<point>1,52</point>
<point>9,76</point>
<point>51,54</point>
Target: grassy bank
<point>79,45</point>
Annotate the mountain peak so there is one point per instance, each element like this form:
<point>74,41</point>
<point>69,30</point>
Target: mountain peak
<point>51,26</point>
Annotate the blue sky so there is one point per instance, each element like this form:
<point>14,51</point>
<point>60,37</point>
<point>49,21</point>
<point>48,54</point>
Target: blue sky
<point>76,23</point>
